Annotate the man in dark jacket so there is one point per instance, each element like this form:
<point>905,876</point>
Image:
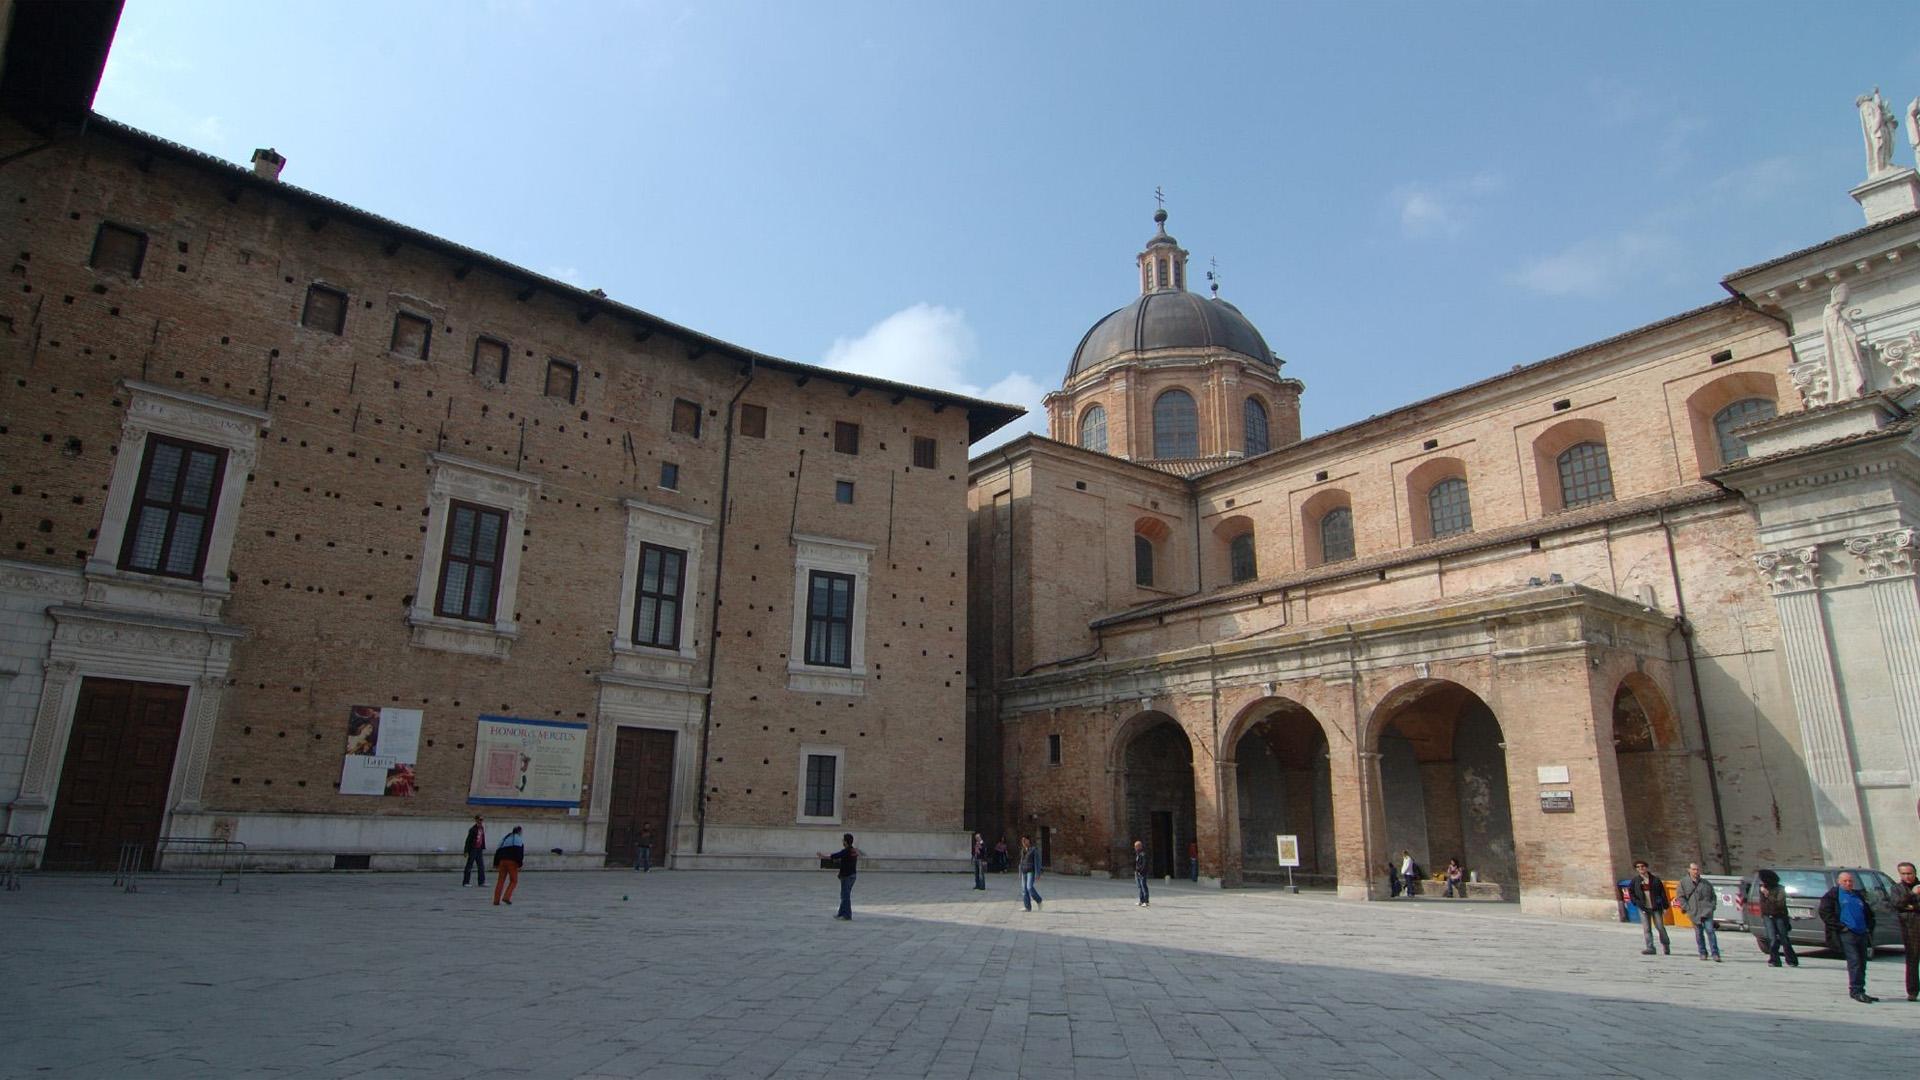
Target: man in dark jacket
<point>1140,869</point>
<point>1649,894</point>
<point>1906,904</point>
<point>1699,900</point>
<point>476,852</point>
<point>849,859</point>
<point>1848,917</point>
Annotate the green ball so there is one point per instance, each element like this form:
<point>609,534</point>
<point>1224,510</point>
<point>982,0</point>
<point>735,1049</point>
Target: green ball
<point>623,898</point>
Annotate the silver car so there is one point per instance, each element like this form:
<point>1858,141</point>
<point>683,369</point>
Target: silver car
<point>1805,886</point>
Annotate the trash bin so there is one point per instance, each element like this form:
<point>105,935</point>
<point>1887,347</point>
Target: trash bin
<point>1628,913</point>
<point>1675,916</point>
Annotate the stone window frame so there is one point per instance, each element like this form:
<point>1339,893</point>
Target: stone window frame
<point>559,365</point>
<point>1056,753</point>
<point>139,254</point>
<point>834,556</point>
<point>839,756</point>
<point>456,479</point>
<point>686,418</point>
<point>185,417</point>
<point>506,358</point>
<point>143,500</point>
<point>666,632</point>
<point>753,420</point>
<point>339,328</point>
<point>474,560</point>
<point>1093,420</point>
<point>685,533</point>
<point>424,323</point>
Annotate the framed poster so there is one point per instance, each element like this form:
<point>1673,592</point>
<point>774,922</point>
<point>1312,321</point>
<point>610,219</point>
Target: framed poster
<point>520,762</point>
<point>1289,849</point>
<point>383,746</point>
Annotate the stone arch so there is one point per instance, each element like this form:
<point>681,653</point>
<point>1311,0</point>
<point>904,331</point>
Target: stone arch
<point>1420,482</point>
<point>1311,514</point>
<point>1092,429</point>
<point>1150,543</point>
<point>1176,424</point>
<point>1152,765</point>
<point>1283,785</point>
<point>1443,788</point>
<point>1547,448</point>
<point>1226,533</point>
<point>1655,775</point>
<point>1706,402</point>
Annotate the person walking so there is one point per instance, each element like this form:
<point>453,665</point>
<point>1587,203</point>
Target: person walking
<point>1140,869</point>
<point>1193,859</point>
<point>1779,923</point>
<point>1029,872</point>
<point>1906,905</point>
<point>1699,900</point>
<point>506,866</point>
<point>1649,894</point>
<point>1456,879</point>
<point>1409,873</point>
<point>979,862</point>
<point>475,850</point>
<point>1848,918</point>
<point>849,859</point>
<point>643,850</point>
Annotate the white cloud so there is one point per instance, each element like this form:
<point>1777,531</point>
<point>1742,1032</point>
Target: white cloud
<point>929,345</point>
<point>1598,265</point>
<point>1441,210</point>
<point>568,274</point>
<point>1424,213</point>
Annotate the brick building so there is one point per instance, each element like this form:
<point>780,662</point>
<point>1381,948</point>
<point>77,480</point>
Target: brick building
<point>1542,623</point>
<point>321,533</point>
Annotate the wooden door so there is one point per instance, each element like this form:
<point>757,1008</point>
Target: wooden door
<point>642,793</point>
<point>119,764</point>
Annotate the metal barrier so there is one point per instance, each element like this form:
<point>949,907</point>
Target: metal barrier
<point>180,856</point>
<point>19,853</point>
<point>127,874</point>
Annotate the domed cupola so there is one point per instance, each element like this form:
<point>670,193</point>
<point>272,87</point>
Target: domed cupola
<point>1173,375</point>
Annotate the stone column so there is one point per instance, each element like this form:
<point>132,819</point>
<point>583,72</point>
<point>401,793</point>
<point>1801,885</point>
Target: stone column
<point>1887,563</point>
<point>1795,577</point>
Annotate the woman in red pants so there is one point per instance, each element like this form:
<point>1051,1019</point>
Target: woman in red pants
<point>506,866</point>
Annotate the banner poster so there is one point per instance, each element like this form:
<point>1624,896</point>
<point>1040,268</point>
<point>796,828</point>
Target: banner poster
<point>528,762</point>
<point>383,745</point>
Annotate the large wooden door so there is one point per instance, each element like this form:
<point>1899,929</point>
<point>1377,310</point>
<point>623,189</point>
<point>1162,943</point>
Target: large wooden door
<point>642,793</point>
<point>113,786</point>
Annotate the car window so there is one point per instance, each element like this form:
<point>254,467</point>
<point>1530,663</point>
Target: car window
<point>1804,883</point>
<point>1878,886</point>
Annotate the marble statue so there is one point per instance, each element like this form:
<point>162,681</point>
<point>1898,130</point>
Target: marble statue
<point>1878,125</point>
<point>1913,127</point>
<point>1846,361</point>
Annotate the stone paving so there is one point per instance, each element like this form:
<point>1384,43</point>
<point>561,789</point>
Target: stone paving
<point>716,974</point>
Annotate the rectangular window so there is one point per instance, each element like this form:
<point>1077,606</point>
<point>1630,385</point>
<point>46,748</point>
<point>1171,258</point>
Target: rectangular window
<point>563,380</point>
<point>412,336</point>
<point>1053,749</point>
<point>686,418</point>
<point>843,491</point>
<point>173,508</point>
<point>670,475</point>
<point>820,785</point>
<point>656,609</point>
<point>926,452</point>
<point>753,421</point>
<point>846,437</point>
<point>490,358</point>
<point>470,565</point>
<point>829,619</point>
<point>119,249</point>
<point>326,310</point>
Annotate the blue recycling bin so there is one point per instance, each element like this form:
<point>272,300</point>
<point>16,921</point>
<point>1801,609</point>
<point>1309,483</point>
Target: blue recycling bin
<point>1624,895</point>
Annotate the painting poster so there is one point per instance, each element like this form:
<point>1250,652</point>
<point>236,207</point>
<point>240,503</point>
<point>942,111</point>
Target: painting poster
<point>520,762</point>
<point>383,745</point>
<point>1288,849</point>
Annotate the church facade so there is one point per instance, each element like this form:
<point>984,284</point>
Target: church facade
<point>1652,598</point>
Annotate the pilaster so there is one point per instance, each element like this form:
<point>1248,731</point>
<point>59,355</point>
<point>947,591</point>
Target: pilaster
<point>1886,561</point>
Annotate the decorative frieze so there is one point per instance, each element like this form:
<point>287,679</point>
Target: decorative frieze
<point>1883,555</point>
<point>1790,570</point>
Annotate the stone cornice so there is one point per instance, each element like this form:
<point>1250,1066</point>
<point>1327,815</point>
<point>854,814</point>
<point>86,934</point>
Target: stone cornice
<point>1809,272</point>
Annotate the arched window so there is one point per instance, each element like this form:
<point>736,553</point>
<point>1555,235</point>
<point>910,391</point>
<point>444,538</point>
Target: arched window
<point>1740,413</point>
<point>1142,560</point>
<point>1448,509</point>
<point>1585,477</point>
<point>1258,442</point>
<point>1176,426</point>
<point>1093,430</point>
<point>1336,535</point>
<point>1240,558</point>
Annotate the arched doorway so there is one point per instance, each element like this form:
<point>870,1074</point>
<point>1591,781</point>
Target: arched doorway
<point>1284,787</point>
<point>1443,783</point>
<point>1654,777</point>
<point>1156,795</point>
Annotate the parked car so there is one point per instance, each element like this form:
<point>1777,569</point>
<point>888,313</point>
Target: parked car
<point>1728,891</point>
<point>1805,886</point>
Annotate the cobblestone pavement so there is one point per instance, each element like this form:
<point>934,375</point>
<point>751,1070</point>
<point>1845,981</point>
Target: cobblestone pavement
<point>731,975</point>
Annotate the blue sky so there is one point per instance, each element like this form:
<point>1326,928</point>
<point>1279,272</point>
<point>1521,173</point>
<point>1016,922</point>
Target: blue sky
<point>1403,197</point>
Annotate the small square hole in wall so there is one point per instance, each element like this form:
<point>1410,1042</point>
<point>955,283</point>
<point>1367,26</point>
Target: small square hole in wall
<point>843,491</point>
<point>1430,444</point>
<point>1720,357</point>
<point>670,476</point>
<point>1079,485</point>
<point>1319,476</point>
<point>1563,405</point>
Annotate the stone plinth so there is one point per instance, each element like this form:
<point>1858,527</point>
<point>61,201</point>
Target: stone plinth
<point>1889,195</point>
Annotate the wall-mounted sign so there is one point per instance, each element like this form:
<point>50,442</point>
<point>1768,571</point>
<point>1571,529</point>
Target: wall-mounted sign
<point>1289,848</point>
<point>1553,774</point>
<point>1556,802</point>
<point>382,746</point>
<point>528,762</point>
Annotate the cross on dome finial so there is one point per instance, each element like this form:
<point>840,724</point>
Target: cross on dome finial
<point>1159,197</point>
<point>1213,276</point>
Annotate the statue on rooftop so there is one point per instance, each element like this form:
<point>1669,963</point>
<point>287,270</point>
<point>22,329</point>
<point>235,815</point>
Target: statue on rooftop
<point>1846,361</point>
<point>1877,125</point>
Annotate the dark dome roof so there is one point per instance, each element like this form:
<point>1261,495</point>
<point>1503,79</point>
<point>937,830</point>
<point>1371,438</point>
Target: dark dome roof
<point>1170,319</point>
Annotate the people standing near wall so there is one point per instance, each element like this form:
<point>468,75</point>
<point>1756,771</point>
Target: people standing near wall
<point>643,850</point>
<point>849,859</point>
<point>1140,869</point>
<point>1000,855</point>
<point>1649,894</point>
<point>1193,858</point>
<point>1393,879</point>
<point>1906,906</point>
<point>1029,873</point>
<point>1456,879</point>
<point>1409,873</point>
<point>507,859</point>
<point>1699,900</point>
<point>1779,922</point>
<point>1848,919</point>
<point>475,850</point>
<point>979,862</point>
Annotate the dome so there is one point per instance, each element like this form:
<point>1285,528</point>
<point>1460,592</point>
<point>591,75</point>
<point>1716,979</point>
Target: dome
<point>1170,319</point>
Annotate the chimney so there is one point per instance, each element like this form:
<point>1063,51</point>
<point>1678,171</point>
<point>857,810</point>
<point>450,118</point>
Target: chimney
<point>267,164</point>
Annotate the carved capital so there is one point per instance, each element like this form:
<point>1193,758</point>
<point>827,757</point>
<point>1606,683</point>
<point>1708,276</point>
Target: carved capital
<point>1791,570</point>
<point>1884,555</point>
<point>1902,359</point>
<point>1814,383</point>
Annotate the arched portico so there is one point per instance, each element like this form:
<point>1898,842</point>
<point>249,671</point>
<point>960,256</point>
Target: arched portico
<point>1443,790</point>
<point>1655,776</point>
<point>1152,766</point>
<point>1283,786</point>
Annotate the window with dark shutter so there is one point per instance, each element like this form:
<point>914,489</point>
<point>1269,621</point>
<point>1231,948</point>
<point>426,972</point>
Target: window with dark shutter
<point>174,505</point>
<point>119,249</point>
<point>926,452</point>
<point>686,418</point>
<point>829,619</point>
<point>656,608</point>
<point>326,310</point>
<point>470,565</point>
<point>820,785</point>
<point>846,437</point>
